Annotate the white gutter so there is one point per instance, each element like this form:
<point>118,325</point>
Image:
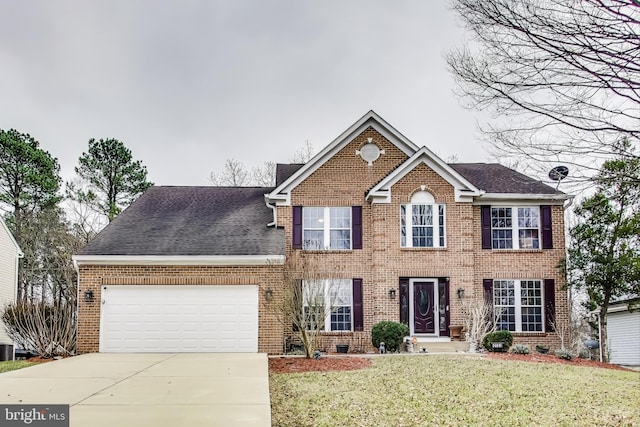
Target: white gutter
<point>521,196</point>
<point>223,260</point>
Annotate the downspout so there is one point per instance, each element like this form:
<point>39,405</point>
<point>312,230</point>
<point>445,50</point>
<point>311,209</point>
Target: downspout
<point>274,223</point>
<point>19,256</point>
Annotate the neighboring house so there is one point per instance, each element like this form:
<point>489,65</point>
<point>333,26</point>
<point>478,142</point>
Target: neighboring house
<point>623,331</point>
<point>10,255</point>
<point>400,235</point>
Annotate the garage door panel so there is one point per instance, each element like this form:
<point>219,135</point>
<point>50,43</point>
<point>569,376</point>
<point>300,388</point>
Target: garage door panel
<point>179,319</point>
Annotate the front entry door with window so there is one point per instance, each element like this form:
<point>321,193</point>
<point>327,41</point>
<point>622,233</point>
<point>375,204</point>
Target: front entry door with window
<point>424,308</point>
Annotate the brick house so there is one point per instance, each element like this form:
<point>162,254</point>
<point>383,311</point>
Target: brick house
<point>401,234</point>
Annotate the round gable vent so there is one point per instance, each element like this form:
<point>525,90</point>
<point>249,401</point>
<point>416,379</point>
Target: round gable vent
<point>370,152</point>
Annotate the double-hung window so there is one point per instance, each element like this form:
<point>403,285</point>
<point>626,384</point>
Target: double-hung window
<point>518,305</point>
<point>326,228</point>
<point>515,227</point>
<point>328,303</point>
<point>422,222</point>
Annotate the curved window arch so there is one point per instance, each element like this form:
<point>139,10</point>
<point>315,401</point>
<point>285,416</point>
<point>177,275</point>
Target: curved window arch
<point>422,222</point>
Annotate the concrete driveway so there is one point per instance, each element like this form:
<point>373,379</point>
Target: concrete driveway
<point>149,389</point>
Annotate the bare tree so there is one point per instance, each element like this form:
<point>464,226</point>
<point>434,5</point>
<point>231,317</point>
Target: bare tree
<point>85,221</point>
<point>309,295</point>
<point>566,74</point>
<point>237,175</point>
<point>304,154</point>
<point>479,317</point>
<point>265,175</point>
<point>234,174</point>
<point>49,329</point>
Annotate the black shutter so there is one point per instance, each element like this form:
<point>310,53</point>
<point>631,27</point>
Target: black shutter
<point>356,226</point>
<point>547,234</point>
<point>404,300</point>
<point>485,218</point>
<point>549,304</point>
<point>358,315</point>
<point>297,227</point>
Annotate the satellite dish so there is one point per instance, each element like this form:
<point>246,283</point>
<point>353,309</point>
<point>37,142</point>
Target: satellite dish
<point>558,173</point>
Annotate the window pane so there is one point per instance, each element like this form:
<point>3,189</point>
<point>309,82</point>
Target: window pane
<point>340,239</point>
<point>422,215</point>
<point>528,217</point>
<point>313,239</point>
<point>504,304</point>
<point>501,217</point>
<point>502,239</point>
<point>502,233</point>
<point>423,237</point>
<point>528,239</point>
<point>441,224</point>
<point>341,319</point>
<point>403,226</point>
<point>312,217</point>
<point>340,217</point>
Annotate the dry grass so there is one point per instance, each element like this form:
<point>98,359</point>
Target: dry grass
<point>14,364</point>
<point>457,390</point>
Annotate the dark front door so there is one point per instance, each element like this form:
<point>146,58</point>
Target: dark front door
<point>423,308</point>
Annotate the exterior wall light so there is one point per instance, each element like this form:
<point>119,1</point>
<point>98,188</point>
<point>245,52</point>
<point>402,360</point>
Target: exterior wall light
<point>460,293</point>
<point>268,294</point>
<point>392,293</point>
<point>88,295</point>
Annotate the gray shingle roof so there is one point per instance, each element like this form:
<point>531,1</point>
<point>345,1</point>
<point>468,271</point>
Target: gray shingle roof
<point>496,178</point>
<point>192,221</point>
<point>285,170</point>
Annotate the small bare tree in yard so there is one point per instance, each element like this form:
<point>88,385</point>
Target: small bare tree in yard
<point>48,329</point>
<point>307,301</point>
<point>480,318</point>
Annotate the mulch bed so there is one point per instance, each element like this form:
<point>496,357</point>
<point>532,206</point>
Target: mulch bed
<point>282,365</point>
<point>552,358</point>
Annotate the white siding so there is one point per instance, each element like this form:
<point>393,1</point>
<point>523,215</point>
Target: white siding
<point>8,274</point>
<point>623,330</point>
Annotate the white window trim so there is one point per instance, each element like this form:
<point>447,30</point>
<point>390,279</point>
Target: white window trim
<point>435,209</point>
<point>326,221</point>
<point>517,292</point>
<point>326,285</point>
<point>515,235</point>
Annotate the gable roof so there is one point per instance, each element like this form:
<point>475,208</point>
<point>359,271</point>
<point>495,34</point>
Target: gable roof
<point>496,178</point>
<point>192,221</point>
<point>464,189</point>
<point>281,194</point>
<point>285,170</point>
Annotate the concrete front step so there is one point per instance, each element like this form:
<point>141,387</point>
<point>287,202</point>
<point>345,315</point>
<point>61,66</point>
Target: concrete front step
<point>443,347</point>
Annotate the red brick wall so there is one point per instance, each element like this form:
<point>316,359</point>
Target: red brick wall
<point>344,180</point>
<point>270,331</point>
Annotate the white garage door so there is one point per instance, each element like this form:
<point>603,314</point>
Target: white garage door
<point>179,319</point>
<point>623,330</point>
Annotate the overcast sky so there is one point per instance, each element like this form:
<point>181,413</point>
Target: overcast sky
<point>188,84</point>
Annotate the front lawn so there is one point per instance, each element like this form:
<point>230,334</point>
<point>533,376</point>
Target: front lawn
<point>12,365</point>
<point>456,390</point>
